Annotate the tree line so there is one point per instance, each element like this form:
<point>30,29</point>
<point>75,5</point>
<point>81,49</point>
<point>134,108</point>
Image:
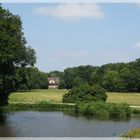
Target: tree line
<point>114,77</point>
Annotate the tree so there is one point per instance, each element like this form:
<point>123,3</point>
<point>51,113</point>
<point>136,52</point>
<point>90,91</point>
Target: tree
<point>69,75</point>
<point>85,93</point>
<point>77,81</point>
<point>112,81</point>
<point>14,52</point>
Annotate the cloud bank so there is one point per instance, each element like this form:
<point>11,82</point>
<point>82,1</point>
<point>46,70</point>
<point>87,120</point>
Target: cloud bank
<point>71,11</point>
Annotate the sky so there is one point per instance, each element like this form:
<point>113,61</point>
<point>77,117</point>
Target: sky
<point>68,35</point>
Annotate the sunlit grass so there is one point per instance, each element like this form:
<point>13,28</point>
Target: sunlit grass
<point>130,98</point>
<point>55,96</point>
<point>51,95</point>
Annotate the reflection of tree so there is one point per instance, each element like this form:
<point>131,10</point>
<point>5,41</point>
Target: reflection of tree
<point>2,119</point>
<point>5,129</point>
<point>93,117</point>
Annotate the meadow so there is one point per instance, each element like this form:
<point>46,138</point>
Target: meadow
<point>51,95</point>
<point>55,96</point>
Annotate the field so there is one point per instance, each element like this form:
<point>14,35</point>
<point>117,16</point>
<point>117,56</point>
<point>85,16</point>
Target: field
<point>51,95</point>
<point>130,98</point>
<point>55,96</point>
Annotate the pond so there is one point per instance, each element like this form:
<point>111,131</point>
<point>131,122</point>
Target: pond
<point>60,124</point>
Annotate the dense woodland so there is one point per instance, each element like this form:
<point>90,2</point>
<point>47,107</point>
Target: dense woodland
<point>114,77</point>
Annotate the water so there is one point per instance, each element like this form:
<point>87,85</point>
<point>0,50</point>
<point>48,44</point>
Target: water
<point>48,124</point>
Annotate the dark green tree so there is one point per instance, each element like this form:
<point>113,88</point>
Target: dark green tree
<point>14,52</point>
<point>85,93</point>
<point>77,81</point>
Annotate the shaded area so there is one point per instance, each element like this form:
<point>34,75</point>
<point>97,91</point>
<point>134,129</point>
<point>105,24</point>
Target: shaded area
<point>5,128</point>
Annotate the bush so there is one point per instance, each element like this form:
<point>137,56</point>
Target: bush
<point>49,106</point>
<point>101,109</point>
<point>136,111</point>
<point>85,93</point>
<point>119,110</point>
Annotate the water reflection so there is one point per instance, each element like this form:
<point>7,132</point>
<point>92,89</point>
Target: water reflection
<point>2,119</point>
<point>101,118</point>
<point>5,129</point>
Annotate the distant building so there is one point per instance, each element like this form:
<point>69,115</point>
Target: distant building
<point>53,82</point>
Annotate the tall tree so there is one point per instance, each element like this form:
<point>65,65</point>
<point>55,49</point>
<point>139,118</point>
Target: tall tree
<point>14,52</point>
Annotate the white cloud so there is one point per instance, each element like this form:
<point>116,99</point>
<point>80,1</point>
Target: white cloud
<point>137,45</point>
<point>71,11</point>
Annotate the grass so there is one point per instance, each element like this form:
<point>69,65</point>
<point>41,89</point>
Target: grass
<point>134,133</point>
<point>51,95</point>
<point>129,98</point>
<point>43,105</point>
<point>55,96</point>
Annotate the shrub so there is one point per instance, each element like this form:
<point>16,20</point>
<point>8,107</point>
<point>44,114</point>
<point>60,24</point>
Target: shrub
<point>136,111</point>
<point>102,109</point>
<point>85,93</point>
<point>119,110</point>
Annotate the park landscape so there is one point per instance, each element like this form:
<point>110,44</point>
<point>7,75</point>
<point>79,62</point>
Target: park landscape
<point>107,95</point>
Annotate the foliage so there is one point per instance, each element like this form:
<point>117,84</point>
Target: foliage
<point>31,78</point>
<point>136,111</point>
<point>42,105</point>
<point>119,110</point>
<point>85,93</point>
<point>14,53</point>
<point>50,106</point>
<point>134,133</point>
<point>114,77</point>
<point>115,111</point>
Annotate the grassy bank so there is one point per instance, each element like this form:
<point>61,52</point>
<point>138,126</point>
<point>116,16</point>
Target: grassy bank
<point>55,96</point>
<point>52,100</point>
<point>43,105</point>
<point>134,133</point>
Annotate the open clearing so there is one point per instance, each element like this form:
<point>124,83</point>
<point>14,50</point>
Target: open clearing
<point>130,98</point>
<point>51,95</point>
<point>55,96</point>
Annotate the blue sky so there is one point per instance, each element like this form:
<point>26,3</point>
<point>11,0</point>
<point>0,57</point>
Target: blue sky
<point>67,35</point>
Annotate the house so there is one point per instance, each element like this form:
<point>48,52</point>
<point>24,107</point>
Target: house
<point>53,82</point>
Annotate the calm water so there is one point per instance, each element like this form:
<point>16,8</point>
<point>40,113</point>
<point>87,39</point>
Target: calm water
<point>36,123</point>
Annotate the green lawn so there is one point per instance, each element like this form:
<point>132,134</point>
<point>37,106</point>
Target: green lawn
<point>55,96</point>
<point>130,98</point>
<point>51,95</point>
